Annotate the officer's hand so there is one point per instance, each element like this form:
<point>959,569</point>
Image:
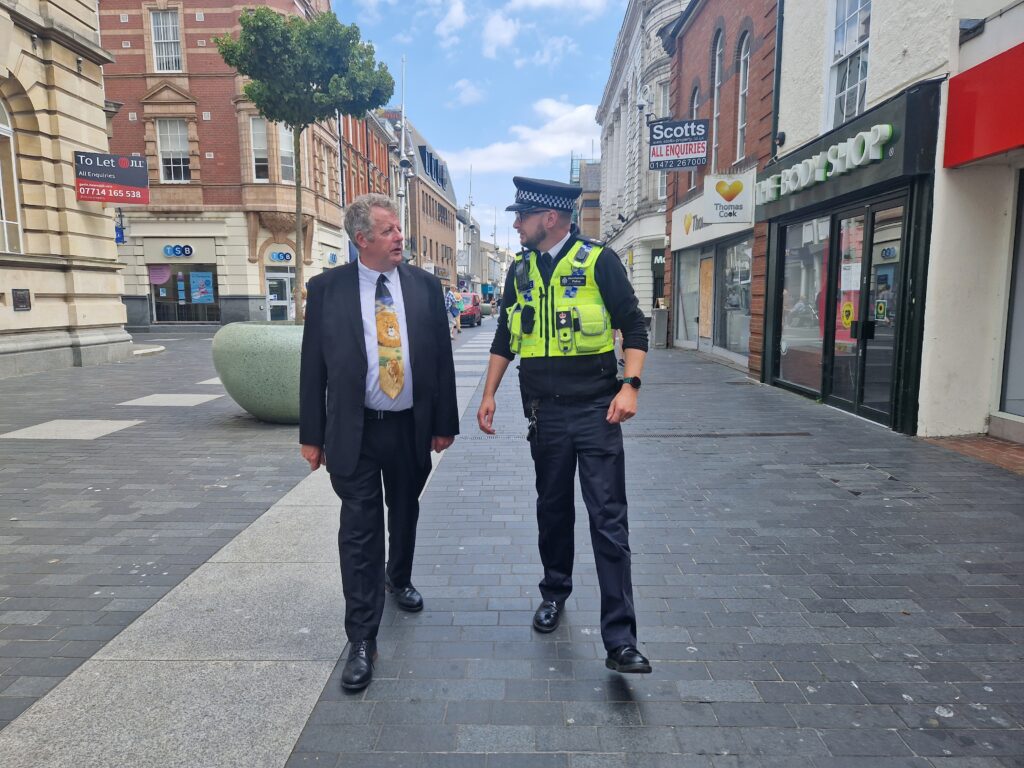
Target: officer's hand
<point>623,406</point>
<point>485,416</point>
<point>440,443</point>
<point>314,455</point>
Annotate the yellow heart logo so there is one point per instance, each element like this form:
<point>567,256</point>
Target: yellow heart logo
<point>729,191</point>
<point>687,222</point>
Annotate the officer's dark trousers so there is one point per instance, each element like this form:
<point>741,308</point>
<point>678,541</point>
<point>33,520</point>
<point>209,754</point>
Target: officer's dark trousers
<point>571,433</point>
<point>387,454</point>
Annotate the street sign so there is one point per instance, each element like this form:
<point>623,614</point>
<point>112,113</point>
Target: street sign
<point>118,179</point>
<point>678,144</point>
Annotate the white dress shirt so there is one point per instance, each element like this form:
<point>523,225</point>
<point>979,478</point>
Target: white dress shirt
<point>374,396</point>
<point>557,247</point>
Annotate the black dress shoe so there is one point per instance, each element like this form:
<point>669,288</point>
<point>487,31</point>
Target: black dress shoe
<point>628,660</point>
<point>547,616</point>
<point>358,671</point>
<point>408,598</point>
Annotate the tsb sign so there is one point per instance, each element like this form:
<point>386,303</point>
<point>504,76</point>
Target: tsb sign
<point>177,251</point>
<point>280,256</point>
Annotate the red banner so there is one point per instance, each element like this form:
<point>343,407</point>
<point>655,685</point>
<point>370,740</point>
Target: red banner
<point>105,192</point>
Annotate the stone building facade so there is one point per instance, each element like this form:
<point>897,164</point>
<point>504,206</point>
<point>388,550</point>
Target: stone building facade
<point>60,283</point>
<point>633,198</point>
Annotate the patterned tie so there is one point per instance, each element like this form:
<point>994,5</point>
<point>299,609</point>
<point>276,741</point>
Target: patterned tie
<point>389,341</point>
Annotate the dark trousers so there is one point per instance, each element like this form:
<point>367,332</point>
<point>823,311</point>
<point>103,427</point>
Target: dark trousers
<point>570,434</point>
<point>388,453</point>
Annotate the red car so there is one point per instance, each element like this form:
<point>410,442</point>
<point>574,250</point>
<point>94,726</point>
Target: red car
<point>471,312</point>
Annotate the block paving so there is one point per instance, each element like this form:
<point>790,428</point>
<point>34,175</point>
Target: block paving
<point>814,590</point>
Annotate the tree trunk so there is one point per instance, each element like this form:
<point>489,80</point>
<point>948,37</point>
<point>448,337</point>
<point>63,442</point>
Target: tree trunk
<point>300,314</point>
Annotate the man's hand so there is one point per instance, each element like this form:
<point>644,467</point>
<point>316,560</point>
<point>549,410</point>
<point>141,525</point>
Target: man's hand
<point>485,416</point>
<point>314,454</point>
<point>441,443</point>
<point>623,406</point>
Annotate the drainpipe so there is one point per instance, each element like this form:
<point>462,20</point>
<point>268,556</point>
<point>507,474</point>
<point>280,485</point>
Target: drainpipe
<point>777,74</point>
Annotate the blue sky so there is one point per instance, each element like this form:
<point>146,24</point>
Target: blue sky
<point>509,87</point>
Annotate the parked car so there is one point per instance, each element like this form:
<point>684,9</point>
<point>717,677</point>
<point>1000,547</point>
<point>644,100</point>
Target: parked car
<point>471,313</point>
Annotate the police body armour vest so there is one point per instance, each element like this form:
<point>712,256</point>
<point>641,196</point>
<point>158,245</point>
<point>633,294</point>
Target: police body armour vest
<point>565,317</point>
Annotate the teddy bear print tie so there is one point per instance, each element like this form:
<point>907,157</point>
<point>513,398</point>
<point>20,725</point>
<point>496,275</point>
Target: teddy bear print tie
<point>389,341</point>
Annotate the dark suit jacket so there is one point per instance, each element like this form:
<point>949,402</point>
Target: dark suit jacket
<point>332,382</point>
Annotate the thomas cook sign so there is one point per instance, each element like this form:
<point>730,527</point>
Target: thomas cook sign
<point>117,179</point>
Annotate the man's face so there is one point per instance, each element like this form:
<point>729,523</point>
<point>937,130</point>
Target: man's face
<point>383,251</point>
<point>533,226</point>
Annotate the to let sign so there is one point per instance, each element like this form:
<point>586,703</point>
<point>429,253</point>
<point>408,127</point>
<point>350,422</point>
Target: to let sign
<point>115,179</point>
<point>678,144</point>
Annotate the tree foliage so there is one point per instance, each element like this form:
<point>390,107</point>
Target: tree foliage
<point>303,71</point>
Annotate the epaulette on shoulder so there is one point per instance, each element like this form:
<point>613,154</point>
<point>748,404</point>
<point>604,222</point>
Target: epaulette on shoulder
<point>590,241</point>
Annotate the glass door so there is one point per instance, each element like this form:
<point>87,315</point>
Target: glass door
<point>847,311</point>
<point>865,309</point>
<point>881,311</point>
<point>279,297</point>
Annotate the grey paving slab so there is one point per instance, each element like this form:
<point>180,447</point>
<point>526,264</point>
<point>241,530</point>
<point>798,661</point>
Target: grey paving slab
<point>242,610</point>
<point>292,533</point>
<point>167,715</point>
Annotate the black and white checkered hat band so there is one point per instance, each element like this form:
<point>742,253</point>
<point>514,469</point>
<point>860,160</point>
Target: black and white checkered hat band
<point>544,200</point>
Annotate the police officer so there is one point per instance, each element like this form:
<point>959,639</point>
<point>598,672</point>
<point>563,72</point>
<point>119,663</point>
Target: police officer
<point>563,297</point>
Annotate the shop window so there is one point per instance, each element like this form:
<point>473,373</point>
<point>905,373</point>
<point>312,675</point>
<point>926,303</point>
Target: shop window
<point>10,237</point>
<point>733,281</point>
<point>849,74</point>
<point>286,150</point>
<point>1013,385</point>
<point>185,293</point>
<point>172,143</point>
<point>260,156</point>
<point>743,69</point>
<point>717,65</point>
<point>805,275</point>
<point>166,41</point>
<point>686,275</point>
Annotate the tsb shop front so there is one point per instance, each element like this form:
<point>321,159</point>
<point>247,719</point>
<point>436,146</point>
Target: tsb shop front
<point>849,222</point>
<point>183,280</point>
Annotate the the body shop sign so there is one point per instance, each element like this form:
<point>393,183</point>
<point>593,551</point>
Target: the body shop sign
<point>678,144</point>
<point>117,179</point>
<point>855,152</point>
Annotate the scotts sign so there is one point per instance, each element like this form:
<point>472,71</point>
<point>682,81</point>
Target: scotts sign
<point>678,144</point>
<point>863,149</point>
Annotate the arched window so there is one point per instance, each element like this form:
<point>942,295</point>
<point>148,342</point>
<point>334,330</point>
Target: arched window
<point>694,106</point>
<point>10,237</point>
<point>743,69</point>
<point>717,65</point>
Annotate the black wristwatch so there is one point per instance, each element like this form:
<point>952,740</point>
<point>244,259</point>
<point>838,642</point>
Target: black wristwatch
<point>633,381</point>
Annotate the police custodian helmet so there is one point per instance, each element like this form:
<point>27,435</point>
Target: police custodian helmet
<point>542,193</point>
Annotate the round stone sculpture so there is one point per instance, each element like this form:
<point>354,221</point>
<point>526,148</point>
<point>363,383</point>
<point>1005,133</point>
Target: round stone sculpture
<point>258,364</point>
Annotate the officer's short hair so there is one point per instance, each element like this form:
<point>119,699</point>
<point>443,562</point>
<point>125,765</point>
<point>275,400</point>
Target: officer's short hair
<point>359,216</point>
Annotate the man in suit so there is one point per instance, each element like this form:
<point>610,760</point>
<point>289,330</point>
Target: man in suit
<point>377,392</point>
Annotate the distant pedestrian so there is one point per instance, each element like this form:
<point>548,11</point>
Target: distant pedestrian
<point>376,393</point>
<point>563,296</point>
<point>451,306</point>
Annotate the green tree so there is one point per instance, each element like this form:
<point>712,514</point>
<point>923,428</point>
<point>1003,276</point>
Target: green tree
<point>301,72</point>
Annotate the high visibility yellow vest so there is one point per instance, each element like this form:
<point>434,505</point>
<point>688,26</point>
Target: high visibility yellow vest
<point>569,317</point>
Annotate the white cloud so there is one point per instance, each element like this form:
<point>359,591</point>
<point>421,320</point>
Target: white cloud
<point>403,38</point>
<point>371,10</point>
<point>466,93</point>
<point>564,128</point>
<point>587,7</point>
<point>499,32</point>
<point>454,20</point>
<point>550,53</point>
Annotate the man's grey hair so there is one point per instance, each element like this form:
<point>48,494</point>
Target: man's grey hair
<point>359,216</point>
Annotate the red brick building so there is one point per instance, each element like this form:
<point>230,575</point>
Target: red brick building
<point>216,243</point>
<point>369,156</point>
<point>723,65</point>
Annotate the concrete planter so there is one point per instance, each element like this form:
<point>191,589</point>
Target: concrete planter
<point>258,364</point>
